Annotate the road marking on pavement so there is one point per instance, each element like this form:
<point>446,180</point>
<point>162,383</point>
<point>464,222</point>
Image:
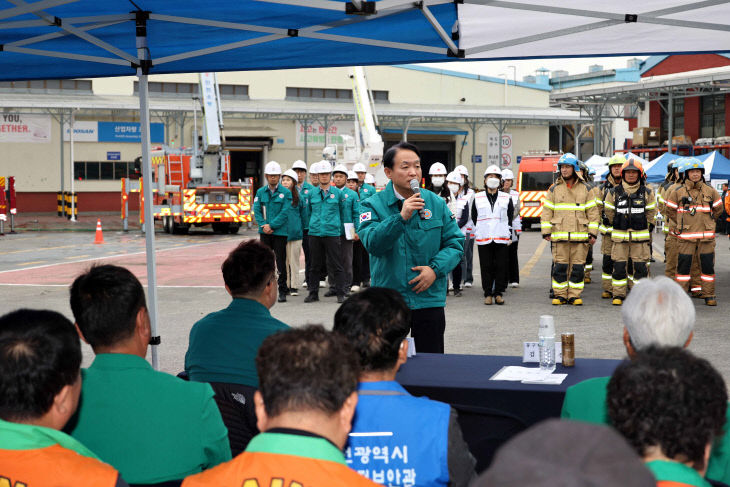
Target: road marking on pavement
<point>111,257</point>
<point>38,250</point>
<point>32,262</point>
<point>525,271</point>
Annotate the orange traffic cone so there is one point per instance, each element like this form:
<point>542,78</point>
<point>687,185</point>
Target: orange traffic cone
<point>99,236</point>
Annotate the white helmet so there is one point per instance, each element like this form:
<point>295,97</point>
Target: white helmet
<point>352,175</point>
<point>507,174</point>
<point>314,168</point>
<point>291,174</point>
<point>359,167</point>
<point>299,165</point>
<point>325,167</point>
<point>437,169</point>
<point>493,169</point>
<point>369,179</point>
<point>454,177</point>
<point>461,169</point>
<point>272,168</point>
<point>340,168</point>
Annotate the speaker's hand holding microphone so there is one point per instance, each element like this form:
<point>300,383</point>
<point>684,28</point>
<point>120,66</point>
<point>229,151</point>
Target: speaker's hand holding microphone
<point>413,203</point>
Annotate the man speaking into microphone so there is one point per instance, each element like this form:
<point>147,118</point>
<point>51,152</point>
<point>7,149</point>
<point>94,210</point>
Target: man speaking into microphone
<point>413,242</point>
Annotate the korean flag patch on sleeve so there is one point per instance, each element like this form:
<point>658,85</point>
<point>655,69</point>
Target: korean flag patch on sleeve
<point>366,217</point>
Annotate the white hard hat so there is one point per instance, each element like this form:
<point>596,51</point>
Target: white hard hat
<point>359,167</point>
<point>461,169</point>
<point>299,165</point>
<point>493,170</point>
<point>272,167</point>
<point>352,175</point>
<point>291,174</point>
<point>437,169</point>
<point>454,177</point>
<point>314,168</point>
<point>507,174</point>
<point>369,179</point>
<point>340,168</point>
<point>325,167</point>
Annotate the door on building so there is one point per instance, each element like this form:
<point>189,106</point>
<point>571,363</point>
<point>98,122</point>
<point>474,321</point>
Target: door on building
<point>247,158</point>
<point>431,151</point>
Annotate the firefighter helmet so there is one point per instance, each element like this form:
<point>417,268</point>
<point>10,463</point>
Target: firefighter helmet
<point>569,159</point>
<point>633,165</point>
<point>616,159</point>
<point>694,163</point>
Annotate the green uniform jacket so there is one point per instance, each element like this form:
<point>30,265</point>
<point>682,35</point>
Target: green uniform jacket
<point>350,208</point>
<point>586,401</point>
<point>305,192</point>
<point>276,209</point>
<point>151,426</point>
<point>325,220</point>
<point>223,345</point>
<point>675,474</point>
<point>366,191</point>
<point>297,219</point>
<point>396,245</point>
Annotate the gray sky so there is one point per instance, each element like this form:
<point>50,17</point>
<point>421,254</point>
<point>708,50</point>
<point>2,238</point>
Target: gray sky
<point>528,67</point>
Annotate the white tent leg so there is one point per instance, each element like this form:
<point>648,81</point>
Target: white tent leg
<point>149,222</point>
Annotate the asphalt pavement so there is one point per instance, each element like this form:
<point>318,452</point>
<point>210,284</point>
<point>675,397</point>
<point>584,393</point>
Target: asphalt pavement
<point>37,267</point>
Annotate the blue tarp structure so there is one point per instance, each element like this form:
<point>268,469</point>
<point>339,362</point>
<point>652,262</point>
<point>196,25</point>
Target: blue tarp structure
<point>717,166</point>
<point>658,167</point>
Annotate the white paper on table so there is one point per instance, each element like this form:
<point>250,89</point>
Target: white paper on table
<point>350,231</point>
<point>517,373</point>
<point>549,380</point>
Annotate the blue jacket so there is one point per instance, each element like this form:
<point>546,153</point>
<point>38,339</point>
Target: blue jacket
<point>396,245</point>
<point>325,220</point>
<point>414,440</point>
<point>275,207</point>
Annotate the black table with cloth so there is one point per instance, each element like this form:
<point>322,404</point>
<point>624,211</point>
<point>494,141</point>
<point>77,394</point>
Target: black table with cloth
<point>490,412</point>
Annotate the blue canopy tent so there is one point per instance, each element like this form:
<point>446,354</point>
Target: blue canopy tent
<point>55,39</point>
<point>717,166</point>
<point>658,170</point>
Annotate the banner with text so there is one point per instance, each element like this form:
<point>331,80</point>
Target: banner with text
<point>114,132</point>
<point>493,149</point>
<point>17,127</point>
<point>316,133</point>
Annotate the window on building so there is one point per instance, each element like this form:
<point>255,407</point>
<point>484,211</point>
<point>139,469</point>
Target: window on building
<point>329,94</point>
<point>678,121</point>
<point>46,86</point>
<point>102,170</point>
<point>712,116</point>
<point>157,88</point>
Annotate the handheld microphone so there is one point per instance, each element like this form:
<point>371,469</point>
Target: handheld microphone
<point>417,190</point>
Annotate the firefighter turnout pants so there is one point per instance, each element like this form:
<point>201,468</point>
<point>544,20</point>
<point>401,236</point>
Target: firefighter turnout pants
<point>671,254</point>
<point>639,253</point>
<point>607,265</point>
<point>589,262</point>
<point>691,250</point>
<point>568,255</point>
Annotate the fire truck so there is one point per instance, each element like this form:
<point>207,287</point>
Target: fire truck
<point>192,187</point>
<point>536,173</point>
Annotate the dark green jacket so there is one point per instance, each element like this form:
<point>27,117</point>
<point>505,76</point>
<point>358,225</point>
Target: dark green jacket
<point>273,209</point>
<point>396,245</point>
<point>305,192</point>
<point>325,219</point>
<point>350,208</point>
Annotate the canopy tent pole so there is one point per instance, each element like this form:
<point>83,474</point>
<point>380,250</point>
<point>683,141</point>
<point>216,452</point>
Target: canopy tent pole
<point>72,165</point>
<point>149,222</point>
<point>670,121</point>
<point>62,128</point>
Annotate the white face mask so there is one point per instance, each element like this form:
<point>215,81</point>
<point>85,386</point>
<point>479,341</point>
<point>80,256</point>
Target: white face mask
<point>453,187</point>
<point>438,181</point>
<point>492,183</point>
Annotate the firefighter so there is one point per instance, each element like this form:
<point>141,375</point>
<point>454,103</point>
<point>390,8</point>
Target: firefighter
<point>694,206</point>
<point>630,207</point>
<point>271,207</point>
<point>670,240</point>
<point>569,219</point>
<point>588,178</point>
<point>613,179</point>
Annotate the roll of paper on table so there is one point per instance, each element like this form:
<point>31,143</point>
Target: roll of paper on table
<point>568,343</point>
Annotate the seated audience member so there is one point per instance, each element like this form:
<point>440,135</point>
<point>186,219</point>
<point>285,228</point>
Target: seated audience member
<point>305,403</point>
<point>424,445</point>
<point>566,454</point>
<point>222,346</point>
<point>151,426</point>
<point>656,312</point>
<point>670,406</point>
<point>40,358</point>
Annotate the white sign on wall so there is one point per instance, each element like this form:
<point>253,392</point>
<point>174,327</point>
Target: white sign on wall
<point>316,133</point>
<point>493,149</point>
<point>83,132</point>
<point>16,127</point>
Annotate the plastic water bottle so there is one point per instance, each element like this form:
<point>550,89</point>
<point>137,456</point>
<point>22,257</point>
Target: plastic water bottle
<point>546,338</point>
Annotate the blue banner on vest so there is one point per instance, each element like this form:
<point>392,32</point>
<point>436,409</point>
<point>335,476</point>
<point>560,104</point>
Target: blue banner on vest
<point>129,132</point>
